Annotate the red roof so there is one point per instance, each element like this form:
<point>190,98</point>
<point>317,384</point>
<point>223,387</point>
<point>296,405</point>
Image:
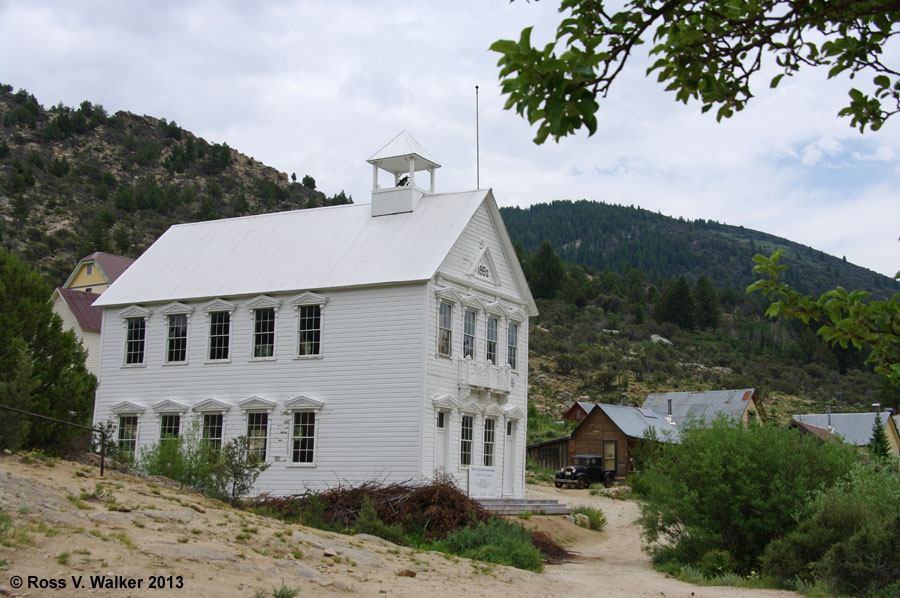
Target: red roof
<point>79,303</point>
<point>112,265</point>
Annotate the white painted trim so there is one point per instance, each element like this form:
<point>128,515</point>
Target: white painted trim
<point>218,305</point>
<point>208,405</point>
<point>169,406</point>
<point>176,307</point>
<point>303,403</point>
<point>126,408</point>
<point>263,302</point>
<point>134,311</point>
<point>308,298</point>
<point>317,421</point>
<point>257,404</point>
<point>484,255</point>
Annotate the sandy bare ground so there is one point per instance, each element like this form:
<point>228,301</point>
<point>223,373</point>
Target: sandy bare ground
<point>143,531</point>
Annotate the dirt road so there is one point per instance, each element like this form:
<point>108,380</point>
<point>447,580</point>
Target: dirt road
<point>105,536</point>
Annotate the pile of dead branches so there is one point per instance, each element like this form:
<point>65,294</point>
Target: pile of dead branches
<point>433,509</point>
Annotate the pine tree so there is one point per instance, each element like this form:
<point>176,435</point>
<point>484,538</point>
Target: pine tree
<point>878,445</point>
<point>706,300</point>
<point>41,365</point>
<point>547,272</point>
<point>677,305</point>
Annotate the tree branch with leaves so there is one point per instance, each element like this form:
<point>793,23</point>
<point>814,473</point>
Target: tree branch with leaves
<point>704,50</point>
<point>845,317</point>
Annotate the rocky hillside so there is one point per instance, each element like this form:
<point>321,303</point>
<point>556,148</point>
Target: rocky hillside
<point>77,180</point>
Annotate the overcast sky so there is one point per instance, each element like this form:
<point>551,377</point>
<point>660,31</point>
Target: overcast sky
<point>317,87</point>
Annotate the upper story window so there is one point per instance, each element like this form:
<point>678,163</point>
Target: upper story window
<point>176,339</point>
<point>135,332</point>
<point>445,329</point>
<point>310,316</point>
<point>264,332</point>
<point>512,341</point>
<point>491,349</point>
<point>90,269</point>
<point>469,334</point>
<point>219,334</point>
<point>310,331</point>
<point>218,315</point>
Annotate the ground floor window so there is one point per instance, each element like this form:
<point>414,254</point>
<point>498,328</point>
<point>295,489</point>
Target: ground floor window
<point>127,434</point>
<point>169,426</point>
<point>257,434</point>
<point>303,437</point>
<point>465,444</point>
<point>489,442</point>
<point>212,430</point>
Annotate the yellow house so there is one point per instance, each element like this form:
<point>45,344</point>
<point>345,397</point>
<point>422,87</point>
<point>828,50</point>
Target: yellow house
<point>95,272</point>
<point>72,302</point>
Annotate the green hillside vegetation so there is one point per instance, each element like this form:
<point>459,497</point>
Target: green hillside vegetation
<point>615,238</point>
<point>593,342</point>
<point>77,180</point>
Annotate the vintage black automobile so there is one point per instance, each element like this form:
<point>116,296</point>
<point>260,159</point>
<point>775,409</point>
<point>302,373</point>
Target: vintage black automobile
<point>587,470</point>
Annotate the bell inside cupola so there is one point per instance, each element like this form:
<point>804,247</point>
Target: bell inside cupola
<point>401,158</point>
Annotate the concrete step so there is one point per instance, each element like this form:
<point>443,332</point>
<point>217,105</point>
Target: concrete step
<point>514,506</point>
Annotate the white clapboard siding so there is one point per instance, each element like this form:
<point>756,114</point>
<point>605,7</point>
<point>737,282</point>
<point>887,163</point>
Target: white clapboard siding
<point>90,340</point>
<point>370,380</point>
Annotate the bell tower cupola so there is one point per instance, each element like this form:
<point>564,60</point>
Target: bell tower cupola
<point>402,157</point>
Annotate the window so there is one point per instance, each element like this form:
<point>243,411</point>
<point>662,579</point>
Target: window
<point>136,329</point>
<point>465,444</point>
<point>310,332</point>
<point>169,426</point>
<point>491,352</point>
<point>127,434</point>
<point>90,269</point>
<point>469,334</point>
<point>212,430</point>
<point>257,433</point>
<point>489,425</point>
<point>176,340</point>
<point>264,332</point>
<point>303,437</point>
<point>219,334</point>
<point>445,329</point>
<point>509,427</point>
<point>512,340</point>
<point>441,419</point>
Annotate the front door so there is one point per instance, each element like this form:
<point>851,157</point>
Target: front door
<point>440,441</point>
<point>509,459</point>
<point>609,456</point>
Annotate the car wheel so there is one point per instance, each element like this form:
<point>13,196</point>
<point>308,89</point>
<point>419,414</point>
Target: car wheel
<point>558,484</point>
<point>608,480</point>
<point>582,483</point>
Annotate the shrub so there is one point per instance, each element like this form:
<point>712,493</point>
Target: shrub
<point>494,541</point>
<point>850,538</point>
<point>715,563</point>
<point>727,488</point>
<point>596,518</point>
<point>369,523</point>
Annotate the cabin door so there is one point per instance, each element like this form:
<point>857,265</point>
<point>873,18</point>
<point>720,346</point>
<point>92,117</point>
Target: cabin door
<point>609,455</point>
<point>509,459</point>
<point>440,441</point>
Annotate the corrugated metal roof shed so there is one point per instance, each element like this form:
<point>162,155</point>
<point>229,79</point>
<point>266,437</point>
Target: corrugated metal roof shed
<point>634,423</point>
<point>322,248</point>
<point>701,405</point>
<point>853,428</point>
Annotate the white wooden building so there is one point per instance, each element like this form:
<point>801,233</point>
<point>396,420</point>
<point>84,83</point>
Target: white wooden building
<point>378,341</point>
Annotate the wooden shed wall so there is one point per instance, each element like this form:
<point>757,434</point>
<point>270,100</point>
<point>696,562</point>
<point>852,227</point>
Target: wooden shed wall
<point>589,436</point>
<point>554,455</point>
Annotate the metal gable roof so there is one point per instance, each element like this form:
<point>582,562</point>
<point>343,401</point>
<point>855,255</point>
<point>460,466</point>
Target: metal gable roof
<point>391,156</point>
<point>853,428</point>
<point>79,303</point>
<point>701,405</point>
<point>320,248</point>
<point>633,422</point>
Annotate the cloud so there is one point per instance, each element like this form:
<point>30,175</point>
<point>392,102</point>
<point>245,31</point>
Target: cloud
<point>316,87</point>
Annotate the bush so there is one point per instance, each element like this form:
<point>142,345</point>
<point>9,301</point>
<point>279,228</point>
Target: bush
<point>850,538</point>
<point>715,563</point>
<point>495,541</point>
<point>227,474</point>
<point>369,523</point>
<point>596,518</point>
<point>732,489</point>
